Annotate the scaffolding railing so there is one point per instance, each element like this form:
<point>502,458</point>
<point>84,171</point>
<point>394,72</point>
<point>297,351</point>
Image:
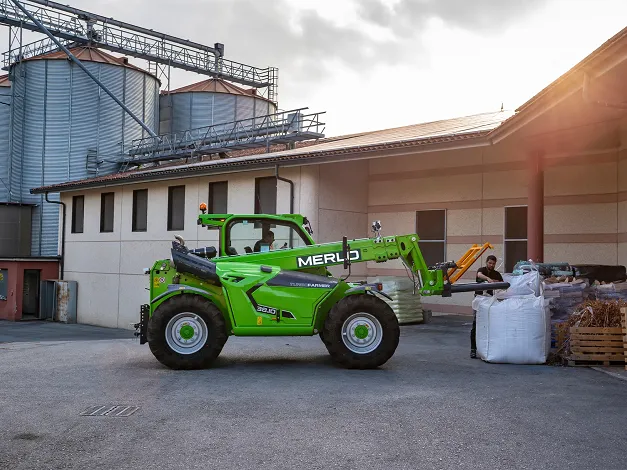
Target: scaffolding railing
<point>87,28</point>
<point>283,127</point>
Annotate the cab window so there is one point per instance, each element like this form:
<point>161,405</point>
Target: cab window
<point>259,235</point>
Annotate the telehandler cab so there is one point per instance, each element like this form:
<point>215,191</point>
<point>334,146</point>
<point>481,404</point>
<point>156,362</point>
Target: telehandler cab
<point>247,287</point>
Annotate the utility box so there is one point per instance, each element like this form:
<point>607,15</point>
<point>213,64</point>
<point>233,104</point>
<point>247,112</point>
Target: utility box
<point>58,300</point>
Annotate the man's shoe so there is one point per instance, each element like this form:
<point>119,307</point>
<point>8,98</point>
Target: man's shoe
<point>473,354</point>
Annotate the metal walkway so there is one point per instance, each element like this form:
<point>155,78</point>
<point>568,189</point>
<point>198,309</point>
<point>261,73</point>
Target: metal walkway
<point>280,128</point>
<point>84,28</point>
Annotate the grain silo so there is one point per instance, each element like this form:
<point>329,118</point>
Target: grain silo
<point>209,102</point>
<point>5,120</point>
<point>65,127</point>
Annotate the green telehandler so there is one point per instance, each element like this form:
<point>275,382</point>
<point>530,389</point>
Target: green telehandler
<point>268,277</point>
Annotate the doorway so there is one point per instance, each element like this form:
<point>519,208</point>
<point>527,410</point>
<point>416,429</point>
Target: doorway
<point>30,294</point>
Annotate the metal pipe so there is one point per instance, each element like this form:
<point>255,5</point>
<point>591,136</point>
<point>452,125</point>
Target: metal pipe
<point>80,64</point>
<point>291,183</point>
<point>121,24</point>
<point>62,262</point>
<point>478,287</point>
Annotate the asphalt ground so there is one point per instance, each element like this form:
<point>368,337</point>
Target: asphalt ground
<point>280,403</point>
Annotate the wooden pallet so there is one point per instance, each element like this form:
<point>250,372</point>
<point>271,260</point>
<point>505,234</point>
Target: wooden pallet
<point>596,346</point>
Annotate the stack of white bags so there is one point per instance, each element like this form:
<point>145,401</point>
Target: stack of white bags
<point>514,326</point>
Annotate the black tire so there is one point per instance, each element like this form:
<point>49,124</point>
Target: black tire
<point>345,309</point>
<point>216,335</point>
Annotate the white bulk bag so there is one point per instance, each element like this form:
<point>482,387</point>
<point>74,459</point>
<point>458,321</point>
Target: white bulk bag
<point>522,284</point>
<point>516,330</point>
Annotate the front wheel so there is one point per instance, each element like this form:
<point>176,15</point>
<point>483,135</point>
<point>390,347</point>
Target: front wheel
<point>361,332</point>
<point>186,332</point>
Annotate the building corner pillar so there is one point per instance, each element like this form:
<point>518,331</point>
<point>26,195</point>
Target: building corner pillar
<point>535,208</point>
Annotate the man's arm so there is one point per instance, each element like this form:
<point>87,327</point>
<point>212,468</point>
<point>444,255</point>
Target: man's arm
<point>482,276</point>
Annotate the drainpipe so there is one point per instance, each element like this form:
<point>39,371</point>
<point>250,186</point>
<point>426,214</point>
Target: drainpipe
<point>291,183</point>
<point>62,263</point>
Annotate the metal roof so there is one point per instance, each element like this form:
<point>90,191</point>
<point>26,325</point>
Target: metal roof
<point>216,85</point>
<point>456,132</point>
<point>88,54</point>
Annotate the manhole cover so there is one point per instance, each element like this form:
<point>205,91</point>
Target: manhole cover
<point>108,410</point>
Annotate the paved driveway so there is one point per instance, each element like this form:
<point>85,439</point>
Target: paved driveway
<point>280,403</point>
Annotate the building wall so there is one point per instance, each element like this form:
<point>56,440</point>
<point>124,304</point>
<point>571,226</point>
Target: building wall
<point>11,308</point>
<point>585,204</point>
<point>585,216</point>
<point>343,206</point>
<point>109,266</point>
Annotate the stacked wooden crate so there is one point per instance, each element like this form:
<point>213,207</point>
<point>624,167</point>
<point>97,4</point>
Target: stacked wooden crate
<point>596,345</point>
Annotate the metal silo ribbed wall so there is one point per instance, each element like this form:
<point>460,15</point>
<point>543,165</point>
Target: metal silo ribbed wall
<point>63,114</point>
<point>194,109</point>
<point>5,120</point>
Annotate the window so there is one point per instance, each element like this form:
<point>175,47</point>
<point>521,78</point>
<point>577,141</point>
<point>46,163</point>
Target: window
<point>218,197</point>
<point>140,210</point>
<point>431,229</point>
<point>265,195</point>
<point>254,235</point>
<point>78,214</point>
<point>176,208</point>
<point>515,239</point>
<point>106,212</point>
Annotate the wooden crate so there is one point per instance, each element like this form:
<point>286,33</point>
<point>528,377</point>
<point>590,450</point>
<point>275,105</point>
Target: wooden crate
<point>596,346</point>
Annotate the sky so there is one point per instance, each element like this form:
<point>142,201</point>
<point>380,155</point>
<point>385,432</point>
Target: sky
<point>376,64</point>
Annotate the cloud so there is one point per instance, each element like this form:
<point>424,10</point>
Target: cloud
<point>406,17</point>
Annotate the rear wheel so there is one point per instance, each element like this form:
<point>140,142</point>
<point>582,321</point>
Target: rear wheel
<point>361,332</point>
<point>186,332</point>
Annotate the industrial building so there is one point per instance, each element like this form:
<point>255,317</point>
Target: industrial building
<point>546,182</point>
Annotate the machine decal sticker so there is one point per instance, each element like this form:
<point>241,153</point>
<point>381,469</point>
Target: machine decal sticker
<point>266,310</point>
<point>327,258</point>
<point>259,320</point>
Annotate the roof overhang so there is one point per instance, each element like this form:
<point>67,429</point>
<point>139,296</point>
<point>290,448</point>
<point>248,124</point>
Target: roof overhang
<point>308,156</point>
<point>610,56</point>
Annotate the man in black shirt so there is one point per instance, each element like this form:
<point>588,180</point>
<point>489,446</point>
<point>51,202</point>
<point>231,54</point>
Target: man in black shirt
<point>484,274</point>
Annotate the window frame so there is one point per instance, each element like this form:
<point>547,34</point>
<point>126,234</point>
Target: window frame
<point>102,212</point>
<point>506,240</point>
<point>276,194</point>
<point>210,197</point>
<point>134,228</point>
<point>73,222</point>
<point>225,239</point>
<point>171,189</point>
<point>444,241</point>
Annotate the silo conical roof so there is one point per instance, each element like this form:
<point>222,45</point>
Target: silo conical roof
<point>89,54</point>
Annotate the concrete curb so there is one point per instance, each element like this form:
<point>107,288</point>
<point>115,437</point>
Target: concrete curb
<point>611,373</point>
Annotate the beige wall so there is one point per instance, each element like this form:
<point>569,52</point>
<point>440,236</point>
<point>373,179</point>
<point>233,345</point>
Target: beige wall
<point>343,206</point>
<point>109,266</point>
<point>585,202</point>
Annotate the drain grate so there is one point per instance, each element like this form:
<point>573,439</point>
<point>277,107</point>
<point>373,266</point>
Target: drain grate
<point>108,410</point>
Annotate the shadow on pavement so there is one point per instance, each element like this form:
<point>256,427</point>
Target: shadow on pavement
<point>40,331</point>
